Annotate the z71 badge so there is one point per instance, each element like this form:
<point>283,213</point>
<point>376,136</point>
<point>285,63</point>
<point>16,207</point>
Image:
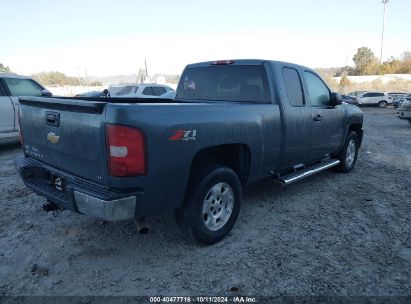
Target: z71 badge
<point>183,135</point>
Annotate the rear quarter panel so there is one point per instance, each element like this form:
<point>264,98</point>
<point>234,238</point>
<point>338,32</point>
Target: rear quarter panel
<point>169,161</point>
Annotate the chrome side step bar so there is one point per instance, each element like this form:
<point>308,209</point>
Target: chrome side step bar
<point>293,177</point>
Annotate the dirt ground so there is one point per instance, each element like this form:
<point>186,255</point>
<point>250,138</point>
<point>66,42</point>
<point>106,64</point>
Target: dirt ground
<point>332,234</point>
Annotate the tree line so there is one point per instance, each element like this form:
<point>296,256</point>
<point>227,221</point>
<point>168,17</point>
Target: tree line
<point>54,78</point>
<point>58,78</point>
<point>366,63</point>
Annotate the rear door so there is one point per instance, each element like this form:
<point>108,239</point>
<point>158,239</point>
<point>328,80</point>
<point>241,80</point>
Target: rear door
<point>328,130</point>
<point>7,112</point>
<point>298,119</point>
<point>368,98</point>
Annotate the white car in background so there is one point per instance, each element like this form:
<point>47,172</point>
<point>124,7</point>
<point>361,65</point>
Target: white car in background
<point>380,99</point>
<point>12,86</point>
<point>141,90</point>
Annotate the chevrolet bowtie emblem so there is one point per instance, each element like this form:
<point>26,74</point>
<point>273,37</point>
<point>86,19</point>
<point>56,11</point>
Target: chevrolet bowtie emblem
<point>53,138</point>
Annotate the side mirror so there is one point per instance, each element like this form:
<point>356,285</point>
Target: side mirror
<point>46,93</point>
<point>106,93</point>
<point>336,99</point>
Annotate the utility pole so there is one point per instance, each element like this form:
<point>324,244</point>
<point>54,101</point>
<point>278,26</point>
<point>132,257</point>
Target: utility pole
<point>78,75</point>
<point>85,76</point>
<point>383,27</point>
<point>145,64</point>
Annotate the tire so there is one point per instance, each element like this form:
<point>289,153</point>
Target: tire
<point>382,104</point>
<point>205,216</point>
<point>348,156</point>
<point>409,121</point>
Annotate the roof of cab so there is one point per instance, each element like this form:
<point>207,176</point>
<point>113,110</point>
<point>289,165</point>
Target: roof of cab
<point>244,62</point>
<point>12,75</point>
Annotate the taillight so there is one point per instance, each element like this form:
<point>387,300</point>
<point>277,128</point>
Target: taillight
<point>126,151</point>
<point>223,62</point>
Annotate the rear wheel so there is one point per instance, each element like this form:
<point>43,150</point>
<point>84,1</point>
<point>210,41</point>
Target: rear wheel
<point>349,153</point>
<point>382,104</point>
<point>212,205</point>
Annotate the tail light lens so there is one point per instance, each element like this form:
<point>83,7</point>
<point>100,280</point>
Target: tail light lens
<point>223,62</point>
<point>126,151</point>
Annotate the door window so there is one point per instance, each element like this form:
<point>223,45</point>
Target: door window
<point>127,90</point>
<point>23,87</point>
<point>317,90</point>
<point>157,91</point>
<point>2,90</point>
<point>148,91</point>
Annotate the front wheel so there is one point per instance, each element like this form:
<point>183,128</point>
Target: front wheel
<point>211,206</point>
<point>349,153</point>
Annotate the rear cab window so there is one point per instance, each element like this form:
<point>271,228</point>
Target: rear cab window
<point>23,87</point>
<point>236,83</point>
<point>293,87</point>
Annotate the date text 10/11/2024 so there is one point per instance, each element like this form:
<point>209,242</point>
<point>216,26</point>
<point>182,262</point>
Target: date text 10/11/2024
<point>236,299</point>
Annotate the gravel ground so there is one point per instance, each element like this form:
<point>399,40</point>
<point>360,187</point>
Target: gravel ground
<point>332,234</point>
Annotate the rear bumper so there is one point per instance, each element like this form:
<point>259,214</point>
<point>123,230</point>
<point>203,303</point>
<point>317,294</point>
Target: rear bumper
<point>76,194</point>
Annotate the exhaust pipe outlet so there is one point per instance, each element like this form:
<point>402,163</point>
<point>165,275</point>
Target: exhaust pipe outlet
<point>49,207</point>
<point>141,225</point>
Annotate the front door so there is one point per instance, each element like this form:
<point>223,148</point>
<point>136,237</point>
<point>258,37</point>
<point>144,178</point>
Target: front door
<point>328,128</point>
<point>7,113</point>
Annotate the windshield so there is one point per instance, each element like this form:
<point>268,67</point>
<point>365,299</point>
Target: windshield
<point>225,83</point>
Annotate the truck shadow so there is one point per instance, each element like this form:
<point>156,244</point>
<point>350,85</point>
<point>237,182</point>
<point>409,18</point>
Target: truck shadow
<point>9,147</point>
<point>164,231</point>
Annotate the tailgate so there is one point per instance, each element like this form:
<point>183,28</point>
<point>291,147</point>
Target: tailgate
<point>67,134</point>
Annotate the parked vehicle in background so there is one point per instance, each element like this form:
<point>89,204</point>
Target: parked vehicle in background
<point>141,90</point>
<point>380,99</point>
<point>397,94</point>
<point>350,99</point>
<point>104,93</point>
<point>169,95</point>
<point>396,97</point>
<point>357,93</point>
<point>397,102</point>
<point>231,123</point>
<point>404,110</point>
<point>12,86</point>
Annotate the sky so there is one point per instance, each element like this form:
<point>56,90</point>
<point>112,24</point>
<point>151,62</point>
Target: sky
<point>104,38</point>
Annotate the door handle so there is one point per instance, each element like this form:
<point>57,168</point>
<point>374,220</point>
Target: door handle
<point>318,118</point>
<point>52,119</point>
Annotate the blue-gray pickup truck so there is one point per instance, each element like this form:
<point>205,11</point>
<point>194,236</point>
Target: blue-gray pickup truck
<point>231,123</point>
